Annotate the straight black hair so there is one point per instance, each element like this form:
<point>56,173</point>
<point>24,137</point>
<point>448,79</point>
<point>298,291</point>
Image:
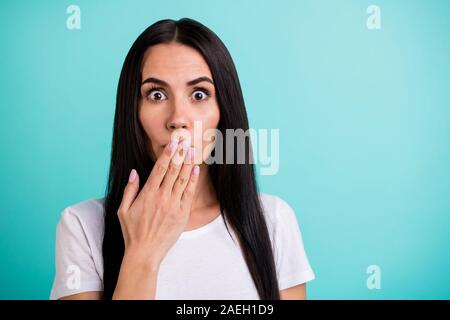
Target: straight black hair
<point>234,184</point>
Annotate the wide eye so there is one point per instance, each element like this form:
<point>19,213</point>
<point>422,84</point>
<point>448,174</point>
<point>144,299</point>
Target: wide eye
<point>199,95</point>
<point>157,95</point>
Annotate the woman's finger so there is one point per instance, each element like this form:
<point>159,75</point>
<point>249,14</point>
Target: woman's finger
<point>130,192</point>
<point>174,167</point>
<point>189,191</point>
<point>183,178</point>
<point>161,166</point>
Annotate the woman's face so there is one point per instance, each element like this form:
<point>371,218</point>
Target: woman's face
<point>176,93</point>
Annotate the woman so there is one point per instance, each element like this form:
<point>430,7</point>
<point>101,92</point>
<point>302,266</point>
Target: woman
<point>173,226</point>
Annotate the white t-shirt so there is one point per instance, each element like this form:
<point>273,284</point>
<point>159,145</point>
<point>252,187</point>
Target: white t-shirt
<point>204,263</point>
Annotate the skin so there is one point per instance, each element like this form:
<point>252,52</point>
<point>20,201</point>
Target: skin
<point>169,111</point>
<point>186,201</point>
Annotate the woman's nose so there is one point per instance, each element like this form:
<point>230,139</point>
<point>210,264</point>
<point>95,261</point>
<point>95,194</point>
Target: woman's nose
<point>178,118</point>
<point>174,125</point>
<point>179,129</point>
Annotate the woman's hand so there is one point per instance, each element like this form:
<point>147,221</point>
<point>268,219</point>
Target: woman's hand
<point>153,220</point>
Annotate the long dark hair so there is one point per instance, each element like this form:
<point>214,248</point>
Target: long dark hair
<point>235,184</point>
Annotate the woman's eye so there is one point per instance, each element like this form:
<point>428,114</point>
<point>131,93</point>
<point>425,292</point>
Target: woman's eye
<point>199,95</point>
<point>157,95</point>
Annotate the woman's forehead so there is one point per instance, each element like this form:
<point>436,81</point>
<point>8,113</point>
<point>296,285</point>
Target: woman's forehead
<point>174,60</point>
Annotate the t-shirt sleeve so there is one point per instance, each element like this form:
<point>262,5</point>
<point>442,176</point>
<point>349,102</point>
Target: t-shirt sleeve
<point>75,267</point>
<point>292,264</point>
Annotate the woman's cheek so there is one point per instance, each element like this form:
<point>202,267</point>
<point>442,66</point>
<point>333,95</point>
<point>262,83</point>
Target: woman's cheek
<point>209,139</point>
<point>207,151</point>
<point>152,142</point>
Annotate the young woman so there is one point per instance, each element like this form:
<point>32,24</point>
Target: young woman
<point>173,226</point>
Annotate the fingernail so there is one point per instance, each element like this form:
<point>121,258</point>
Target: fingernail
<point>173,145</point>
<point>186,144</point>
<point>191,152</point>
<point>189,156</point>
<point>133,175</point>
<point>196,170</point>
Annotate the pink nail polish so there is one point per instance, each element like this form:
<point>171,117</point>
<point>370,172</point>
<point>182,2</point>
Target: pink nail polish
<point>186,144</point>
<point>133,175</point>
<point>196,170</point>
<point>173,145</point>
<point>191,152</point>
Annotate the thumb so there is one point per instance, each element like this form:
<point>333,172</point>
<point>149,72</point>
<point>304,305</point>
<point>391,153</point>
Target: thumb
<point>130,192</point>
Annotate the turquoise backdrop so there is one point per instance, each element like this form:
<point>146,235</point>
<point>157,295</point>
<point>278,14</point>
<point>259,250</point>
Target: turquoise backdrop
<point>363,115</point>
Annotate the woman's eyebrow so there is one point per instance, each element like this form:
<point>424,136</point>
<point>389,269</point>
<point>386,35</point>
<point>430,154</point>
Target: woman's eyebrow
<point>189,83</point>
<point>200,79</point>
<point>155,80</point>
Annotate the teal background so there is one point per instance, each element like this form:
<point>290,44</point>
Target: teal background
<point>363,116</point>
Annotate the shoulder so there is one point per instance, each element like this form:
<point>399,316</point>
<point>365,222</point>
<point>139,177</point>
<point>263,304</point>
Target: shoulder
<point>281,219</point>
<point>290,257</point>
<point>91,210</point>
<point>85,218</point>
<point>276,209</point>
<point>79,235</point>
